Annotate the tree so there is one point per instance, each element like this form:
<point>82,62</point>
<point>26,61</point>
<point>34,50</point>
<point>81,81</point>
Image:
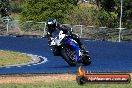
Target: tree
<point>108,5</point>
<point>127,12</point>
<point>4,8</point>
<point>41,10</point>
<point>16,5</point>
<point>110,11</point>
<point>98,2</point>
<point>84,14</point>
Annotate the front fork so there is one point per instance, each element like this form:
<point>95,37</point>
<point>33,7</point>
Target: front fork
<point>75,47</point>
<point>77,51</point>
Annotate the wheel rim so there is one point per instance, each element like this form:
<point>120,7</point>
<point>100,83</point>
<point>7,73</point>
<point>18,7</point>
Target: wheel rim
<point>71,54</point>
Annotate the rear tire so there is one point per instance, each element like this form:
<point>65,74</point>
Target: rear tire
<point>67,58</point>
<point>86,60</point>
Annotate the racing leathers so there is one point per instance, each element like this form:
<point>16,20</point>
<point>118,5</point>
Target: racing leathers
<point>66,30</point>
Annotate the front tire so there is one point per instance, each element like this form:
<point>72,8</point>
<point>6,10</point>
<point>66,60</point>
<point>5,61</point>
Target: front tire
<point>68,58</point>
<point>56,51</point>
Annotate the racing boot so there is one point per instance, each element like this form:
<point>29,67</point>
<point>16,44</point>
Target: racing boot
<point>82,47</point>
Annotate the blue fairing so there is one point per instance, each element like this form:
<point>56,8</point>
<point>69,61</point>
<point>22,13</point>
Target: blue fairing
<point>74,46</point>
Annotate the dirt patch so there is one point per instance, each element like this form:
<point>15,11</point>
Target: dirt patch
<point>37,78</point>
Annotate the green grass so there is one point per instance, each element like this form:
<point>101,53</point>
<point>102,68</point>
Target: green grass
<point>10,58</point>
<point>64,84</point>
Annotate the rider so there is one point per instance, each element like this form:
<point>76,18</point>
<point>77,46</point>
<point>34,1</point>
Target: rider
<point>53,25</point>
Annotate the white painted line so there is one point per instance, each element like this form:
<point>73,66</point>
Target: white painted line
<point>35,61</point>
<point>38,63</point>
<point>42,62</point>
<point>19,66</point>
<point>45,59</point>
<point>40,56</point>
<point>28,65</point>
<point>36,55</point>
<point>35,64</point>
<point>8,67</point>
<point>87,40</point>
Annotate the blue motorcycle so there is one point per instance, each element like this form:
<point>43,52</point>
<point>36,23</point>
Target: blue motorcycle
<point>68,48</point>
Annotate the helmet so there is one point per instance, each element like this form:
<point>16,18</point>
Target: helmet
<point>52,23</point>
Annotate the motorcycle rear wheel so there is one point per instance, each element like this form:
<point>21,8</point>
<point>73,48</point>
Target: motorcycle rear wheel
<point>86,60</point>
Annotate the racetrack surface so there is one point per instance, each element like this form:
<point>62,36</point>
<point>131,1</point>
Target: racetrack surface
<point>106,56</point>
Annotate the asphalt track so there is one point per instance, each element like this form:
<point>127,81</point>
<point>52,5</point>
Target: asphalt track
<point>106,56</point>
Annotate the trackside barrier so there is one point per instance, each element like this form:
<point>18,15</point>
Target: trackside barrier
<point>31,28</point>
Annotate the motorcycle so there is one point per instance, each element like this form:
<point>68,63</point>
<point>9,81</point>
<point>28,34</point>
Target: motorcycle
<point>68,48</point>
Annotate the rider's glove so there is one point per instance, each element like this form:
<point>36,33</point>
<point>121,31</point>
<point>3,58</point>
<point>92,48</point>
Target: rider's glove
<point>68,33</point>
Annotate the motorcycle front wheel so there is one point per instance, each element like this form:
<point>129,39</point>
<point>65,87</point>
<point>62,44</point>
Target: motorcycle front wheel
<point>69,55</point>
<point>56,51</point>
